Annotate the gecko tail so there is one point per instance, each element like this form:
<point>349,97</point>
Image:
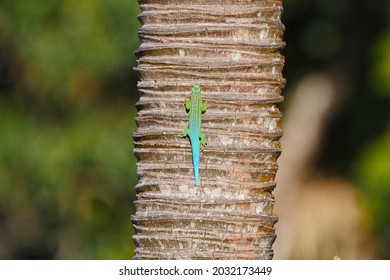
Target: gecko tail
<point>195,156</point>
<point>196,171</point>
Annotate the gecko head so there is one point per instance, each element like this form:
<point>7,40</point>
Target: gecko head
<point>195,89</point>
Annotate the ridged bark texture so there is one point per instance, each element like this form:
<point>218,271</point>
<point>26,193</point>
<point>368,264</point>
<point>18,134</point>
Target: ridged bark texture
<point>231,49</point>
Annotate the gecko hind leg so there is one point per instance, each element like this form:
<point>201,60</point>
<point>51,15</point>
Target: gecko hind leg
<point>185,133</point>
<point>202,140</point>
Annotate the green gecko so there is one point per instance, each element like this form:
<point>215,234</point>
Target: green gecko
<point>195,109</point>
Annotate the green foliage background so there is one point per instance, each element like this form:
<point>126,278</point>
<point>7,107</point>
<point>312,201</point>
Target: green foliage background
<point>67,94</point>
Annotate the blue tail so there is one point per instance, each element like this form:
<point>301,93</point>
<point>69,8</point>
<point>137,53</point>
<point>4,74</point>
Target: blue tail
<point>196,171</point>
<point>195,146</point>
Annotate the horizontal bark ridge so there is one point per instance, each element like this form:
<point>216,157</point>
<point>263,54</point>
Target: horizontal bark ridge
<point>231,49</point>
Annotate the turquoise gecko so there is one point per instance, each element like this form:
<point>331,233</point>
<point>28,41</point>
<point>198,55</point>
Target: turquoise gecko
<point>195,109</point>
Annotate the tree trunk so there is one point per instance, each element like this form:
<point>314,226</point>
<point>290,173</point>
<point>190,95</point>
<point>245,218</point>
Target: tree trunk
<point>231,49</point>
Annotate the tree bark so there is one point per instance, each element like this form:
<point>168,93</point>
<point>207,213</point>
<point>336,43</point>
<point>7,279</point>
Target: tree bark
<point>231,49</point>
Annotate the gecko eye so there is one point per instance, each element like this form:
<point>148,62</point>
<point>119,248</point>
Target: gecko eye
<point>195,88</point>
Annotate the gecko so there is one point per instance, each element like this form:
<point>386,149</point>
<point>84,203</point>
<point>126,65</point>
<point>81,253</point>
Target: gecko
<point>195,108</point>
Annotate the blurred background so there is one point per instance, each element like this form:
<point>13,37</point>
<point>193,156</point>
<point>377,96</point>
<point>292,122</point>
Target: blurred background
<point>67,95</point>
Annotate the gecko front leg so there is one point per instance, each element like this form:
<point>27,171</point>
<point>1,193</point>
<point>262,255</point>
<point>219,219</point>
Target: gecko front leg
<point>203,107</point>
<point>187,104</point>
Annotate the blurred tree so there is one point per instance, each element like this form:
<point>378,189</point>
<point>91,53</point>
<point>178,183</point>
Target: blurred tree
<point>231,49</point>
<point>338,40</point>
<point>344,43</point>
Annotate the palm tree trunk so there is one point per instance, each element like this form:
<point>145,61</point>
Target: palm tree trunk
<point>231,49</point>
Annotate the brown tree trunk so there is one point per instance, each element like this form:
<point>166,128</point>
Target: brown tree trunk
<point>231,49</point>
